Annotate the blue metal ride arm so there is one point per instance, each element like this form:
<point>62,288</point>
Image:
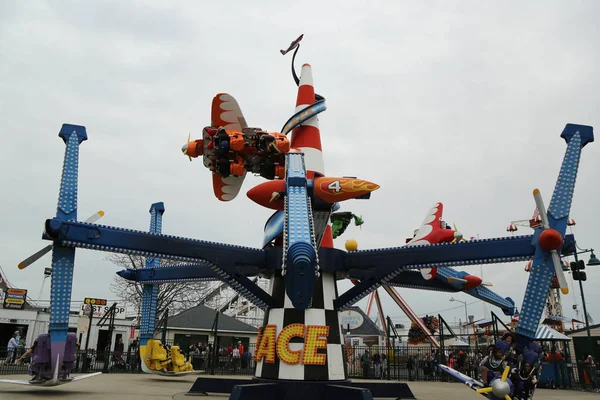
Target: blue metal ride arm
<point>507,305</point>
<point>178,273</point>
<point>150,291</point>
<point>63,257</point>
<point>542,269</point>
<point>300,256</point>
<point>388,263</point>
<point>222,258</point>
<point>414,280</point>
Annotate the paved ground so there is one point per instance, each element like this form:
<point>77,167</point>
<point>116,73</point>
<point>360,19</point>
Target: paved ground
<point>146,387</point>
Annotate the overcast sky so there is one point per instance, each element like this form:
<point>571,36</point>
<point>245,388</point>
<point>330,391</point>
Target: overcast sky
<point>457,102</point>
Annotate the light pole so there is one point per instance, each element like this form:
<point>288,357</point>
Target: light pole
<point>466,313</point>
<point>581,277</point>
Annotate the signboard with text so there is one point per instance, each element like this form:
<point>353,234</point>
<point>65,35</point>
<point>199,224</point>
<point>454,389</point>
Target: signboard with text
<point>351,319</point>
<point>100,307</point>
<point>14,299</point>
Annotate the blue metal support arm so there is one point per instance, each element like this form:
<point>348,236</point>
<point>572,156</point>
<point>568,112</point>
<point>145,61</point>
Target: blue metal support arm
<point>388,263</point>
<point>176,273</point>
<point>415,280</point>
<point>222,258</point>
<point>334,262</point>
<point>150,291</point>
<point>128,241</point>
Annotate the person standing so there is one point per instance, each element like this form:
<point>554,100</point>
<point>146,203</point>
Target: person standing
<point>12,348</point>
<point>364,360</point>
<point>589,371</point>
<point>235,356</point>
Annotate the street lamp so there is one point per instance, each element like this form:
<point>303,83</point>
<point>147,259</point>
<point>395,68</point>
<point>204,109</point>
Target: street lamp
<point>465,304</point>
<point>580,276</point>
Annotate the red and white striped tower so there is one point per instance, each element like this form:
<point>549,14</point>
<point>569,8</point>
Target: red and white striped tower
<point>307,137</point>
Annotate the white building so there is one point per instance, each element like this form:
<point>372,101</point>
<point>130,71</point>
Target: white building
<point>32,322</point>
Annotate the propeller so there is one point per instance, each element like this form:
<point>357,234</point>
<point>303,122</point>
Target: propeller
<point>185,146</point>
<point>457,235</point>
<point>550,240</point>
<point>36,256</point>
<point>498,387</point>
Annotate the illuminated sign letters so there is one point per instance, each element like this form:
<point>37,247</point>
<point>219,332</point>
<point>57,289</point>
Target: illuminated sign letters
<point>269,344</point>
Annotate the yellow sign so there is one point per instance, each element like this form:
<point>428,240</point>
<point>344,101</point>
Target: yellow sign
<point>14,301</point>
<point>269,344</point>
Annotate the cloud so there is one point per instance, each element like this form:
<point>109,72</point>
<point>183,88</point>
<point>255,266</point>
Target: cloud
<point>434,102</point>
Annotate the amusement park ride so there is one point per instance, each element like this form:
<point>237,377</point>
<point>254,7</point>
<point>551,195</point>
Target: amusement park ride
<point>300,350</point>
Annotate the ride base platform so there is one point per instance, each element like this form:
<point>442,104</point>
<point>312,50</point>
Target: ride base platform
<point>263,389</point>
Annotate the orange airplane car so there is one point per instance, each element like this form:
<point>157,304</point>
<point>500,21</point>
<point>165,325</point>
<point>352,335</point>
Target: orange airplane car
<point>229,148</point>
<point>326,189</point>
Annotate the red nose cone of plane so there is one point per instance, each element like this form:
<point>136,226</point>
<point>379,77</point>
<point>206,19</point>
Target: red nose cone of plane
<point>265,194</point>
<point>550,239</point>
<point>472,281</point>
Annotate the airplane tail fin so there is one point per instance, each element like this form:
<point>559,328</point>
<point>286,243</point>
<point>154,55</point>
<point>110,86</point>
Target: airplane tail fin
<point>226,113</point>
<point>433,230</point>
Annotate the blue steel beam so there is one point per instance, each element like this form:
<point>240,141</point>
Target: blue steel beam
<point>222,258</point>
<point>63,257</point>
<point>177,273</point>
<point>150,291</point>
<point>542,269</point>
<point>480,292</point>
<point>414,280</point>
<point>388,263</point>
<point>385,264</point>
<point>333,262</point>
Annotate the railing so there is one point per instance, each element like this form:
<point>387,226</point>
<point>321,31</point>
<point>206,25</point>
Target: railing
<point>380,362</point>
<point>422,364</point>
<point>87,362</point>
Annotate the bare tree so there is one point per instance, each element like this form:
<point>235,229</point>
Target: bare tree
<point>173,296</point>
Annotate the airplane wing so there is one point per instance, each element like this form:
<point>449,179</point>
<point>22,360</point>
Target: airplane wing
<point>81,377</point>
<point>15,382</point>
<point>50,382</point>
<point>227,189</point>
<point>467,380</point>
<point>226,113</point>
<point>427,233</point>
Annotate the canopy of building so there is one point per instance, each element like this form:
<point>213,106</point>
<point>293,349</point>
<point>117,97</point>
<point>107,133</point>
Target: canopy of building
<point>546,333</point>
<point>459,343</point>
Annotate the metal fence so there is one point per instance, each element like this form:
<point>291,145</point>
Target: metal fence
<point>87,362</point>
<point>372,362</point>
<point>422,364</point>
